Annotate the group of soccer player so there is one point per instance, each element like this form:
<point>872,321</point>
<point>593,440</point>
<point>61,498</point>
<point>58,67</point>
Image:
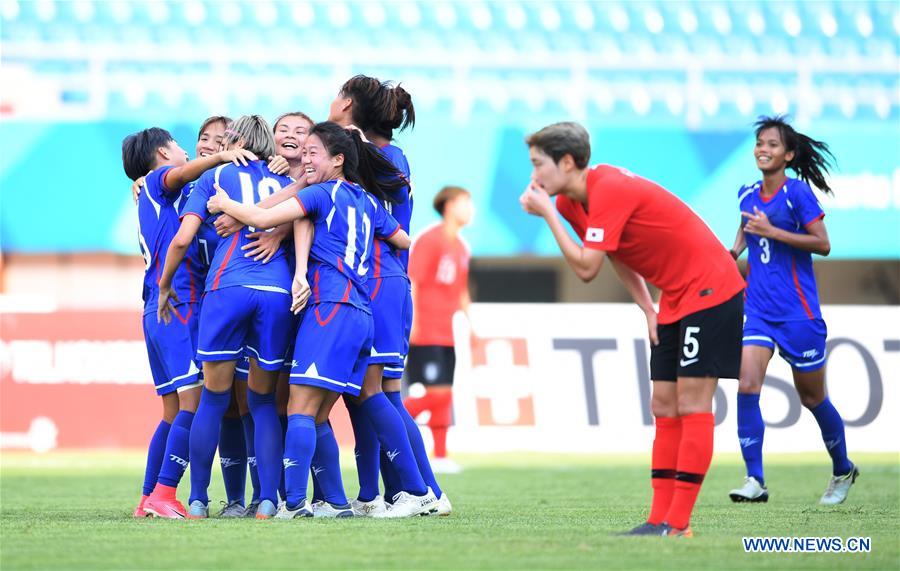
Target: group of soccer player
<point>276,259</point>
<point>710,323</point>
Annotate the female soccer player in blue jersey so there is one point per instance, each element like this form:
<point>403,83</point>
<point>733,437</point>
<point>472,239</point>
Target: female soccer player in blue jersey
<point>290,131</point>
<point>782,228</point>
<point>171,346</point>
<point>335,337</point>
<point>244,312</point>
<point>378,108</point>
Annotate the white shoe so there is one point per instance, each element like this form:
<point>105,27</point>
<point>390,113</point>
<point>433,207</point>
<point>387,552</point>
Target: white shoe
<point>751,491</point>
<point>445,466</point>
<point>369,509</point>
<point>838,487</point>
<point>303,510</point>
<point>443,505</point>
<point>324,509</point>
<point>408,505</point>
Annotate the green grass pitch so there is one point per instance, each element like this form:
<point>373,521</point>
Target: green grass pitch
<point>71,510</point>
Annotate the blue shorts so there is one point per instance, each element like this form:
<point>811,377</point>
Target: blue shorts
<point>171,349</point>
<point>333,346</point>
<point>800,343</point>
<point>238,321</point>
<point>292,341</point>
<point>392,311</point>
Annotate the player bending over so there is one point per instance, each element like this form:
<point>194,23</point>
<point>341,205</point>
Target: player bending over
<point>648,233</point>
<point>782,228</point>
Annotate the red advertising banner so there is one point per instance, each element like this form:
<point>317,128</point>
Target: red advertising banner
<point>80,379</point>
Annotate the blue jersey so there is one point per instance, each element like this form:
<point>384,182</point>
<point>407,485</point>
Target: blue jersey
<point>386,261</point>
<point>207,238</point>
<point>781,285</point>
<point>347,219</point>
<point>157,225</point>
<point>228,266</point>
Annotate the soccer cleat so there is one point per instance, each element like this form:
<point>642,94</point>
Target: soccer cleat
<point>408,505</point>
<point>647,528</point>
<point>250,510</point>
<point>445,466</point>
<point>139,510</point>
<point>667,530</point>
<point>443,505</point>
<point>266,510</point>
<point>232,509</point>
<point>325,509</point>
<point>838,488</point>
<point>165,507</point>
<point>198,510</point>
<point>751,491</point>
<point>369,509</point>
<point>303,510</point>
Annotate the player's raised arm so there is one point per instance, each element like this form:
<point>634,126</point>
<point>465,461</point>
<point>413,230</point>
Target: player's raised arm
<point>174,255</point>
<point>585,262</point>
<point>191,171</point>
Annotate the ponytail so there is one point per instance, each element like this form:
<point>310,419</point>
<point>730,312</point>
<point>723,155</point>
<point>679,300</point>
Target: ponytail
<point>811,157</point>
<point>378,106</point>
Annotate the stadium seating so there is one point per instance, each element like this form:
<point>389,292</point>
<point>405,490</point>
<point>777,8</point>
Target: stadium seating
<point>703,63</point>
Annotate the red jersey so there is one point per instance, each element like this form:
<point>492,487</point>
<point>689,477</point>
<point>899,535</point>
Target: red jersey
<point>439,272</point>
<point>647,228</point>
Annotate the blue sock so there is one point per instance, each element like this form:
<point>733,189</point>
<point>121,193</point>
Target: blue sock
<point>416,442</point>
<point>233,457</point>
<point>155,454</point>
<point>203,440</point>
<point>326,465</point>
<point>175,461</point>
<point>366,451</point>
<point>318,494</point>
<point>392,484</point>
<point>395,442</point>
<point>832,426</point>
<point>267,442</point>
<point>299,447</point>
<point>282,491</point>
<point>249,437</point>
<point>751,430</point>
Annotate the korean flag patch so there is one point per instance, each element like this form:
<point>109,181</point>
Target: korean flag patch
<point>594,235</point>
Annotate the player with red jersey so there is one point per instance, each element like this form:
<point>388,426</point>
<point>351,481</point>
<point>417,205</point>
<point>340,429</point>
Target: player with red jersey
<point>649,234</point>
<point>439,272</point>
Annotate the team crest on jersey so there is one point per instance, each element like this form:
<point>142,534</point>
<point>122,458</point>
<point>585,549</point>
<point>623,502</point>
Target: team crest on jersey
<point>594,235</point>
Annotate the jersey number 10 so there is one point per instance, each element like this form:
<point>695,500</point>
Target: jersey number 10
<point>264,189</point>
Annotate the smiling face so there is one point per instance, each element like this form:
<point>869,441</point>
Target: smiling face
<point>290,136</point>
<point>547,174</point>
<point>210,140</point>
<point>770,153</point>
<point>319,165</point>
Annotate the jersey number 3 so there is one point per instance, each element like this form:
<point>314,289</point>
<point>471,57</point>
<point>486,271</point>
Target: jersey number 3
<point>766,254</point>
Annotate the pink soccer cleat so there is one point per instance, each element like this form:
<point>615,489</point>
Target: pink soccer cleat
<point>163,503</point>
